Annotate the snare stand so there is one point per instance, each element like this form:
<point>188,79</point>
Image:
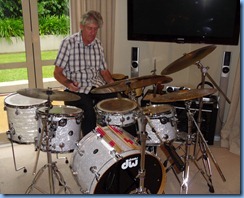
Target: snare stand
<point>52,168</point>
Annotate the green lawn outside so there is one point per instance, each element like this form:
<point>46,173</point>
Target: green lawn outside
<point>7,75</point>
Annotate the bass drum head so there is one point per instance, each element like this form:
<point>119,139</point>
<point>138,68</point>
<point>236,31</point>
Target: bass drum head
<point>121,178</point>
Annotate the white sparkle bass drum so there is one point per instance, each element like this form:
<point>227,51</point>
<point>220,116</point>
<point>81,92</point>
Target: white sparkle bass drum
<point>161,125</point>
<point>63,125</point>
<point>21,114</point>
<point>107,161</point>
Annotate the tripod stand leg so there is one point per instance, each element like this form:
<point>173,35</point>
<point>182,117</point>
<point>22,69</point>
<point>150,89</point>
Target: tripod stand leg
<point>205,149</point>
<point>36,178</point>
<point>61,181</point>
<point>206,177</point>
<point>56,173</point>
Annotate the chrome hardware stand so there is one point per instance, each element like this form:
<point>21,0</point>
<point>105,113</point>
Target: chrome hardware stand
<point>52,168</point>
<point>204,151</point>
<point>142,171</point>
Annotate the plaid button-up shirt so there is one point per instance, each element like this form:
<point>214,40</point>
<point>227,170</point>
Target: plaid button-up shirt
<point>82,63</point>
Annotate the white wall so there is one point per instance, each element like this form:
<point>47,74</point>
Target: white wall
<point>50,42</point>
<point>166,53</point>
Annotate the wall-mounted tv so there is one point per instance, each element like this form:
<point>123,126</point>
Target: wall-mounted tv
<point>184,21</point>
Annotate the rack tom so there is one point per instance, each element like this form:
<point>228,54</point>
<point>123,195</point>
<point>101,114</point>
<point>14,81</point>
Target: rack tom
<point>21,114</point>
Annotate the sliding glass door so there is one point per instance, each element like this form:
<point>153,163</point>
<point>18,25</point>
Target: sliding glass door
<point>30,35</point>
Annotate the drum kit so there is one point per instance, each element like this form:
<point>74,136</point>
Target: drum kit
<point>109,159</point>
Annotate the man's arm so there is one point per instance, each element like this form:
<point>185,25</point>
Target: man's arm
<point>61,78</point>
<point>107,76</point>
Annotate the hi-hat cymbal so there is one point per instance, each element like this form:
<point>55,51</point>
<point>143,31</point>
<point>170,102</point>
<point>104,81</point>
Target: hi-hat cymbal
<point>48,94</point>
<point>188,59</point>
<point>132,83</point>
<point>183,95</point>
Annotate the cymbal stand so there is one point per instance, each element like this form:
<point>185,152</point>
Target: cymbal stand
<point>204,151</point>
<point>131,92</point>
<point>51,166</point>
<point>205,73</point>
<point>204,147</point>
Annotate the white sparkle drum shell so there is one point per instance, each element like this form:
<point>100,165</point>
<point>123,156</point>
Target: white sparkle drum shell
<point>63,126</point>
<point>162,120</point>
<point>21,114</point>
<point>116,111</point>
<point>108,163</point>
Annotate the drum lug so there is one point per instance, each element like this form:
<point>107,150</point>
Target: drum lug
<point>93,169</point>
<point>81,152</point>
<point>164,120</point>
<point>74,173</point>
<point>116,155</point>
<point>109,120</point>
<point>122,119</point>
<point>16,111</point>
<point>8,134</point>
<point>53,146</point>
<point>62,145</point>
<point>19,137</point>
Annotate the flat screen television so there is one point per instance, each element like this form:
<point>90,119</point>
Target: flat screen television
<point>184,21</point>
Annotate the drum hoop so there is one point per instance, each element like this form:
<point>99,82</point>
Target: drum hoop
<point>163,182</point>
<point>27,106</point>
<point>159,113</point>
<point>80,112</point>
<point>116,112</point>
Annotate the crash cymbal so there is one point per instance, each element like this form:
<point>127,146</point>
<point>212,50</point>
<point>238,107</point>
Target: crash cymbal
<point>45,93</point>
<point>183,95</point>
<point>130,84</point>
<point>188,59</point>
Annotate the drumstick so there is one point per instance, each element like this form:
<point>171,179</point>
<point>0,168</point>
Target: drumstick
<point>123,137</point>
<point>108,139</point>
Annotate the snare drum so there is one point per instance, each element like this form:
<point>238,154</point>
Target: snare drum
<point>21,114</point>
<point>63,125</point>
<point>107,161</point>
<point>162,121</point>
<point>117,111</point>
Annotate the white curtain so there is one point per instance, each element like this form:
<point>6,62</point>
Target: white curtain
<point>106,33</point>
<point>230,133</point>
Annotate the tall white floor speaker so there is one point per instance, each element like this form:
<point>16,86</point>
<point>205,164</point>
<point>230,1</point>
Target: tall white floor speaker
<point>134,62</point>
<point>224,87</point>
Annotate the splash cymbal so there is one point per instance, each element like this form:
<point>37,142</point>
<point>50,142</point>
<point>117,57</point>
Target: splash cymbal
<point>188,59</point>
<point>183,95</point>
<point>132,83</point>
<point>48,94</point>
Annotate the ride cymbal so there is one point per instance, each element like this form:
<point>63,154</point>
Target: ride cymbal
<point>48,94</point>
<point>132,83</point>
<point>183,95</point>
<point>188,59</point>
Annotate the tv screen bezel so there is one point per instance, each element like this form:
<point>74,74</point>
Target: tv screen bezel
<point>131,35</point>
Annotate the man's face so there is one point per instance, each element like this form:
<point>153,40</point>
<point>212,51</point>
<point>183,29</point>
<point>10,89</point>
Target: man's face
<point>89,32</point>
